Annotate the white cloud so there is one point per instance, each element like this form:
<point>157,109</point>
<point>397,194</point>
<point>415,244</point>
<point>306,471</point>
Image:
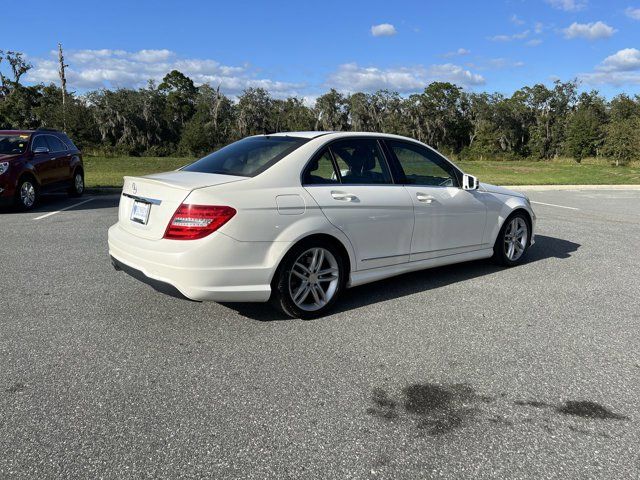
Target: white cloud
<point>568,5</point>
<point>621,68</point>
<point>91,69</point>
<point>383,30</point>
<point>457,53</point>
<point>633,13</point>
<point>538,27</point>
<point>508,38</point>
<point>351,77</point>
<point>623,60</point>
<point>534,42</point>
<point>590,31</point>
<point>516,20</point>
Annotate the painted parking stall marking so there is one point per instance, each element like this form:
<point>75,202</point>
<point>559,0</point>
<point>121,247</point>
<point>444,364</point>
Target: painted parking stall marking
<point>63,209</point>
<point>554,205</point>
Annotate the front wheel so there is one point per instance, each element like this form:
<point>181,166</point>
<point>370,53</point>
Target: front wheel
<point>77,184</point>
<point>309,280</point>
<point>513,241</point>
<point>26,194</point>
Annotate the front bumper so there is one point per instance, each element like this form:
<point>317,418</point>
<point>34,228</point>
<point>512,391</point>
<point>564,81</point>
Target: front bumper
<point>217,268</point>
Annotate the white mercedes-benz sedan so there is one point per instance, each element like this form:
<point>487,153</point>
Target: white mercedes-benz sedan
<point>297,217</point>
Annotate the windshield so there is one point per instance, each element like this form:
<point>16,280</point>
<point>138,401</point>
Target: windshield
<point>12,144</point>
<point>247,157</point>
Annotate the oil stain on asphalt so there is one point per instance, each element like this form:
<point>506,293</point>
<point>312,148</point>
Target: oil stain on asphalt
<point>436,410</point>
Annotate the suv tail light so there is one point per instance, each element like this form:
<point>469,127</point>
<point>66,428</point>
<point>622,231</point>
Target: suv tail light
<point>191,222</point>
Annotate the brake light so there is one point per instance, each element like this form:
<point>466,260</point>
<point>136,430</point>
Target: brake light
<point>191,222</point>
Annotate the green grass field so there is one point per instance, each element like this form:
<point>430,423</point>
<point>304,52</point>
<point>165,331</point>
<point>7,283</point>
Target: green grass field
<point>108,171</point>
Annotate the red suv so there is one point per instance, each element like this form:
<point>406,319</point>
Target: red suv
<point>35,161</point>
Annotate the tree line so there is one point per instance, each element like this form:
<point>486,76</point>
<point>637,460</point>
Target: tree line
<point>176,117</point>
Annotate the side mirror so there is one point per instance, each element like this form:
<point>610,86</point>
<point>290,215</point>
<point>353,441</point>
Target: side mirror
<point>469,182</point>
<point>40,150</point>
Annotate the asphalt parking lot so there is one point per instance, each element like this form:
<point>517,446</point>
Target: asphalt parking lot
<point>467,371</point>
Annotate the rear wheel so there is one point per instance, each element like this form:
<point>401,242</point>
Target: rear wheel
<point>77,184</point>
<point>309,280</point>
<point>26,194</point>
<point>513,240</point>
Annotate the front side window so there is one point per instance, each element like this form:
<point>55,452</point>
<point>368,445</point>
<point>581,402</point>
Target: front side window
<point>13,144</point>
<point>321,171</point>
<point>360,161</point>
<point>247,157</point>
<point>422,166</point>
<point>39,142</point>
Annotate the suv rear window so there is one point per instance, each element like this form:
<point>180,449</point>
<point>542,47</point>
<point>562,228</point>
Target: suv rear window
<point>12,144</point>
<point>247,157</point>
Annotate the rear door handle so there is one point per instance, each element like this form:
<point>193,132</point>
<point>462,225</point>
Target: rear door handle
<point>424,198</point>
<point>342,196</point>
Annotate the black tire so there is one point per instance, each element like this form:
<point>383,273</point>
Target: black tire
<point>282,296</point>
<point>77,184</point>
<point>28,201</point>
<point>501,248</point>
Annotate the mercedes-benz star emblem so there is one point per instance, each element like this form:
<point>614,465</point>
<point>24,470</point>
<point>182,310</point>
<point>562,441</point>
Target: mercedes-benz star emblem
<point>134,188</point>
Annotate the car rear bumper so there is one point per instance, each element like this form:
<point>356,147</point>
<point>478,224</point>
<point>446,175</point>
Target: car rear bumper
<point>216,268</point>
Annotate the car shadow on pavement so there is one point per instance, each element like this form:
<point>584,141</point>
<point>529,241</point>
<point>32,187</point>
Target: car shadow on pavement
<point>415,282</point>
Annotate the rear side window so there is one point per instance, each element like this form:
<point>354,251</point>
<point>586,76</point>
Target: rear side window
<point>360,161</point>
<point>55,145</point>
<point>321,171</point>
<point>247,157</point>
<point>67,141</point>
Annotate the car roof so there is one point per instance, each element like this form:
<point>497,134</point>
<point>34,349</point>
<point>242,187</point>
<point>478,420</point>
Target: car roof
<point>337,134</point>
<point>16,132</point>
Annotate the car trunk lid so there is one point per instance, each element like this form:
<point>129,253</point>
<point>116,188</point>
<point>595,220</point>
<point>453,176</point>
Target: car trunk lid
<point>161,194</point>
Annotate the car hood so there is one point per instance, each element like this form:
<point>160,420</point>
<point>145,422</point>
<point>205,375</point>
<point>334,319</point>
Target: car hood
<point>487,187</point>
<point>7,157</point>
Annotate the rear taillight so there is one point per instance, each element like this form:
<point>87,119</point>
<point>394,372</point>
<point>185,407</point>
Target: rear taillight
<point>191,222</point>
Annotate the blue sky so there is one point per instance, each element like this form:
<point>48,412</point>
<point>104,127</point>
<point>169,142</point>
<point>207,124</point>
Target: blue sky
<point>304,48</point>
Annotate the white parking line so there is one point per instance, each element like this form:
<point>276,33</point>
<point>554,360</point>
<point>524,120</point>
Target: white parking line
<point>553,205</point>
<point>63,209</point>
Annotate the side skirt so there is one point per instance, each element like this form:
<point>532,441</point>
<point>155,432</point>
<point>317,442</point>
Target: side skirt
<point>375,274</point>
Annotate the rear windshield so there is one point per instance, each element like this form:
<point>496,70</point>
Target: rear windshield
<point>12,144</point>
<point>247,157</point>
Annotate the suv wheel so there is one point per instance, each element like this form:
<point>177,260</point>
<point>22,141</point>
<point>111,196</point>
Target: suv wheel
<point>309,280</point>
<point>26,194</point>
<point>77,184</point>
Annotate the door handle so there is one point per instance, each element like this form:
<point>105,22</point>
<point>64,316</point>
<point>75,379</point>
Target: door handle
<point>345,197</point>
<point>424,198</point>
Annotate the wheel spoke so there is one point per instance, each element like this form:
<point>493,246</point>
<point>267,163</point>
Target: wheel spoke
<point>319,261</point>
<point>321,294</point>
<point>301,294</point>
<point>302,267</point>
<point>300,275</point>
<point>314,292</point>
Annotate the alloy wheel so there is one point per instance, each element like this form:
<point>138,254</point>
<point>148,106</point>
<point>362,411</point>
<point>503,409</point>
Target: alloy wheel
<point>314,279</point>
<point>79,183</point>
<point>27,194</point>
<point>516,237</point>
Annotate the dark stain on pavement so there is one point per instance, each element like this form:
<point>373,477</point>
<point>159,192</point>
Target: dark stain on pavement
<point>589,410</point>
<point>17,387</point>
<point>436,409</point>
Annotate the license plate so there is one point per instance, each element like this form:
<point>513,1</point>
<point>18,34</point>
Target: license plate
<point>140,212</point>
